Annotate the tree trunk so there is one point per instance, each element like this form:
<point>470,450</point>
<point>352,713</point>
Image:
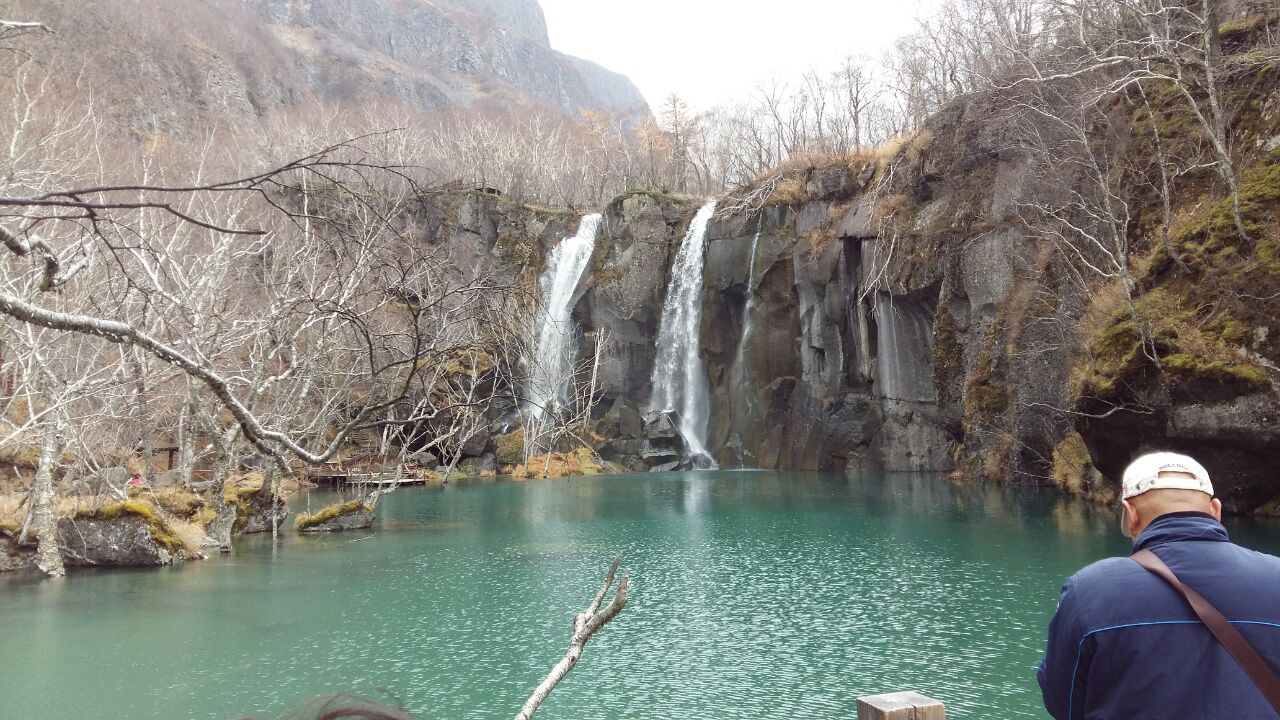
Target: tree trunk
<point>224,520</point>
<point>1211,44</point>
<point>186,443</point>
<point>48,557</point>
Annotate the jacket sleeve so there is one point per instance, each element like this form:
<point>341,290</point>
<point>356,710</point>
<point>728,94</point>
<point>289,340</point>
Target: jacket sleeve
<point>1061,658</point>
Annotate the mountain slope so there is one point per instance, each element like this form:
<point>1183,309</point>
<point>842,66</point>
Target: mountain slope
<point>171,66</point>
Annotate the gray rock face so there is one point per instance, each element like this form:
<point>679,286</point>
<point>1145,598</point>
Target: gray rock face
<point>178,67</point>
<point>461,47</point>
<point>1228,436</point>
<point>626,284</point>
<point>122,542</point>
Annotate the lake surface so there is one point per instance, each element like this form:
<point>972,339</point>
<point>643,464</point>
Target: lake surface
<point>756,595</point>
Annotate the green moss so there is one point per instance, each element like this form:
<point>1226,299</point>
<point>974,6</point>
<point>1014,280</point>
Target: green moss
<point>1192,367</point>
<point>1211,241</point>
<point>1244,25</point>
<point>1112,355</point>
<point>330,512</point>
<point>509,448</point>
<point>948,355</point>
<point>141,510</point>
<point>660,195</point>
<point>1235,332</point>
<point>607,276</point>
<point>27,456</point>
<point>986,401</point>
<point>115,511</point>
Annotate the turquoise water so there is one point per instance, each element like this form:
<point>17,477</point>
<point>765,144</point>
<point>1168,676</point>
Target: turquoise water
<point>756,595</point>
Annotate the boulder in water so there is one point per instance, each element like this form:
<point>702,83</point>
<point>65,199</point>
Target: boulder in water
<point>353,515</point>
<point>126,534</point>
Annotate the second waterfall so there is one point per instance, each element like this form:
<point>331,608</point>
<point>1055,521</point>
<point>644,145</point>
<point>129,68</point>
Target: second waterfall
<point>679,373</point>
<point>552,364</point>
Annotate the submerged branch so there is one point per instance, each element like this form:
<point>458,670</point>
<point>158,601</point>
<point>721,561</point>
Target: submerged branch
<point>585,624</point>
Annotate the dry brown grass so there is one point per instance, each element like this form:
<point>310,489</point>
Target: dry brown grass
<point>191,535</point>
<point>892,206</point>
<point>819,240</point>
<point>178,501</point>
<point>578,462</point>
<point>12,512</point>
<point>789,191</point>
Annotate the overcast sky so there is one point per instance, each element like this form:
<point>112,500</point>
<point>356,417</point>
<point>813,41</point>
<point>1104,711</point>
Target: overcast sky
<point>711,51</point>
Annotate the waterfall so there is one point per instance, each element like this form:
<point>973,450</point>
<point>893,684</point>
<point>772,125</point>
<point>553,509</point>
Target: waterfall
<point>905,352</point>
<point>746,309</point>
<point>912,435</point>
<point>679,375</point>
<point>552,364</point>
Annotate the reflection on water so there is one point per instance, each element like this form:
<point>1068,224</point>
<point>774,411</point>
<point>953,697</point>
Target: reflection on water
<point>757,595</point>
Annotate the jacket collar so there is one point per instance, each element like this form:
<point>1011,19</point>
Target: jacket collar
<point>1180,526</point>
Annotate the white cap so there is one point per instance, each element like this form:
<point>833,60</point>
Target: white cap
<point>1144,474</point>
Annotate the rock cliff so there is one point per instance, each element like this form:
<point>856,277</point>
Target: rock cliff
<point>895,309</point>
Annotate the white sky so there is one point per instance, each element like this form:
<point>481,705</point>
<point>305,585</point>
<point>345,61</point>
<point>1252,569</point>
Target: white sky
<point>712,51</point>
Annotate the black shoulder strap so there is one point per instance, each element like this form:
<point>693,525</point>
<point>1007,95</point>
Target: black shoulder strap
<point>1250,661</point>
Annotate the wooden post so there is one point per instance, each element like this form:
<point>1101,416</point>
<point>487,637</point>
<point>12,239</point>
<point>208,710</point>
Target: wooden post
<point>900,706</point>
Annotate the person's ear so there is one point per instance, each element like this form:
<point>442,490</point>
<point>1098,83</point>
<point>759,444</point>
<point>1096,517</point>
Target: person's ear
<point>1129,520</point>
<point>1215,509</point>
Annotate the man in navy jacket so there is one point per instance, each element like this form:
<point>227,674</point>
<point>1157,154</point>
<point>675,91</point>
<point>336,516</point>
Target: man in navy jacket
<point>1124,645</point>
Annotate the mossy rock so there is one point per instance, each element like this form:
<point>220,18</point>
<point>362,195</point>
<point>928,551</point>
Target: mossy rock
<point>986,401</point>
<point>1185,366</point>
<point>350,515</point>
<point>948,353</point>
<point>509,448</point>
<point>137,510</point>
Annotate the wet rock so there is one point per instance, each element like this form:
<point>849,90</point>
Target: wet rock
<point>15,557</point>
<point>125,541</point>
<point>660,429</point>
<point>859,222</point>
<point>354,515</point>
<point>257,513</point>
<point>700,462</point>
<point>626,285</point>
<point>661,457</point>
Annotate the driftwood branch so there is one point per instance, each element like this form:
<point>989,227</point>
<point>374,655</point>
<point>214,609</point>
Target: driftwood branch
<point>585,624</point>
